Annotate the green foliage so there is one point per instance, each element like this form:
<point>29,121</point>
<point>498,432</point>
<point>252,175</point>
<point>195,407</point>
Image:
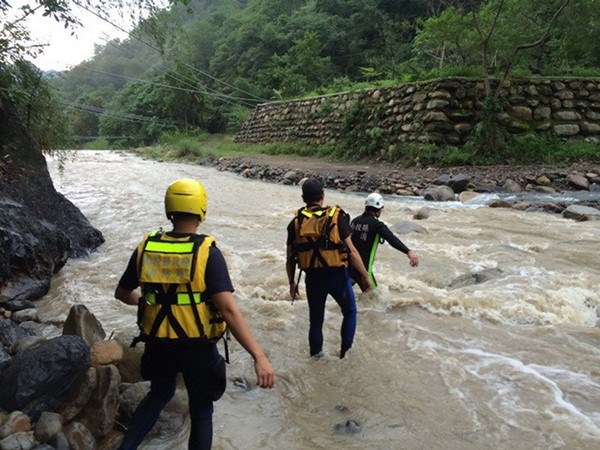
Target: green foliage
<point>97,144</point>
<point>451,71</point>
<point>488,137</point>
<point>178,145</point>
<point>205,64</point>
<point>36,104</point>
<point>434,155</point>
<point>548,149</point>
<point>361,137</point>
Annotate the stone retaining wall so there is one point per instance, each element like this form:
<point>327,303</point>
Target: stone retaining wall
<point>439,112</point>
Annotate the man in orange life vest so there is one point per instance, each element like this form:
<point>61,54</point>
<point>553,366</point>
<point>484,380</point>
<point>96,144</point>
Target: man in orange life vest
<point>185,306</point>
<point>318,241</point>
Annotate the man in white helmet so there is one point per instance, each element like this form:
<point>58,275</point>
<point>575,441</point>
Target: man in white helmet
<point>368,232</point>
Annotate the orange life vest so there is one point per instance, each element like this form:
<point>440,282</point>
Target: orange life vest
<point>317,243</point>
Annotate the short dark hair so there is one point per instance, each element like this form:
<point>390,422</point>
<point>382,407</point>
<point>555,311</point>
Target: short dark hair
<point>177,216</point>
<point>312,190</point>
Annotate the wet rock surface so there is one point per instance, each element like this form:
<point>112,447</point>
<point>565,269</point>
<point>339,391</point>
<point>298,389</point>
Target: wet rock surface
<point>39,228</point>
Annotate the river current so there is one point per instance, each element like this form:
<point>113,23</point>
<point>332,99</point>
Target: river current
<point>510,363</point>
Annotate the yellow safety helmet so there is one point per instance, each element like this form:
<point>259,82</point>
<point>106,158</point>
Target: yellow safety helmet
<point>186,196</point>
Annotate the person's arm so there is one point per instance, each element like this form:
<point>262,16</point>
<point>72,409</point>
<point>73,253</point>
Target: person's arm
<point>390,237</point>
<point>290,266</point>
<point>228,309</point>
<point>357,263</point>
<point>126,290</point>
<point>126,296</point>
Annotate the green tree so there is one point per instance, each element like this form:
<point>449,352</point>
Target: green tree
<point>301,69</point>
<point>136,114</point>
<point>36,104</point>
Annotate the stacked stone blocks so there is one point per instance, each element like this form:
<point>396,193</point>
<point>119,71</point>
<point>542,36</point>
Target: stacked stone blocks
<point>442,112</point>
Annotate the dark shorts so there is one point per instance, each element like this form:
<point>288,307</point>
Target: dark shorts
<point>202,367</point>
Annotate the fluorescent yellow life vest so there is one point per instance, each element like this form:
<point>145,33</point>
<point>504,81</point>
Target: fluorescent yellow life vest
<point>171,273</point>
<point>318,244</point>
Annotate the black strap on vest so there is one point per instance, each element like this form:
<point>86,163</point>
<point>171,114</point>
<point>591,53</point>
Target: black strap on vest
<point>323,242</point>
<point>195,310</point>
<point>169,298</point>
<point>166,300</point>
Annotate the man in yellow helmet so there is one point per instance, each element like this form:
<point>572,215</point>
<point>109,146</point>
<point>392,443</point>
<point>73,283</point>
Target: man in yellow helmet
<point>318,242</point>
<point>184,307</point>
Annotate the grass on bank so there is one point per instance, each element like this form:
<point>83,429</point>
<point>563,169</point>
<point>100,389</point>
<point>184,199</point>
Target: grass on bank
<point>204,148</point>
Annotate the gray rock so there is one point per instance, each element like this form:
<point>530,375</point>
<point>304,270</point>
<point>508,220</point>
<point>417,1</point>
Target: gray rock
<point>11,333</point>
<point>25,315</point>
<point>81,322</point>
<point>17,305</point>
<point>292,176</point>
<point>99,413</point>
<point>459,183</point>
<point>475,278</point>
<point>511,186</point>
<point>23,440</point>
<point>578,181</point>
<point>439,194</point>
<point>37,379</point>
<point>422,213</point>
<point>79,437</point>
<point>581,213</point>
<point>499,203</point>
<point>26,343</point>
<point>60,442</point>
<point>39,227</point>
<point>349,427</point>
<point>79,394</point>
<point>406,227</point>
<point>48,426</point>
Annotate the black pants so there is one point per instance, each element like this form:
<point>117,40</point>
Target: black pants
<point>203,371</point>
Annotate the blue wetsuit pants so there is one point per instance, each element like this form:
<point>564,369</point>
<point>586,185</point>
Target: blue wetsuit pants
<point>203,371</point>
<point>334,282</point>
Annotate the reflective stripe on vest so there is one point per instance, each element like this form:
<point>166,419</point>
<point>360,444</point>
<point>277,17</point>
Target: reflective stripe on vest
<point>183,298</point>
<point>170,247</point>
<point>171,271</point>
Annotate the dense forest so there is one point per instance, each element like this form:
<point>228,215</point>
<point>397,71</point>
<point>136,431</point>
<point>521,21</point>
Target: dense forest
<point>202,65</point>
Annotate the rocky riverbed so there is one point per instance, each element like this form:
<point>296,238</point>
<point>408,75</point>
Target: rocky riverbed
<point>464,182</point>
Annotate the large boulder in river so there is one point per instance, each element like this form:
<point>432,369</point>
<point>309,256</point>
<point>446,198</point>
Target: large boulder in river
<point>37,379</point>
<point>39,227</point>
<point>581,213</point>
<point>439,194</point>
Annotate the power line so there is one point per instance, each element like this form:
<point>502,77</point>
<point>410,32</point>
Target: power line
<point>180,78</point>
<point>135,118</point>
<point>131,35</point>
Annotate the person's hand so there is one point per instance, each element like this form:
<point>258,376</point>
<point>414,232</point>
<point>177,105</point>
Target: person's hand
<point>413,259</point>
<point>265,375</point>
<point>365,283</point>
<point>294,292</point>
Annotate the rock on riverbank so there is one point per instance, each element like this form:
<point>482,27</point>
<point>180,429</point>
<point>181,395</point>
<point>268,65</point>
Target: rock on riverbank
<point>426,182</point>
<point>65,386</point>
<point>39,228</point>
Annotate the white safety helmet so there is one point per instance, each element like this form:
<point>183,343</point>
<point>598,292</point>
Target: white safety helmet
<point>374,200</point>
